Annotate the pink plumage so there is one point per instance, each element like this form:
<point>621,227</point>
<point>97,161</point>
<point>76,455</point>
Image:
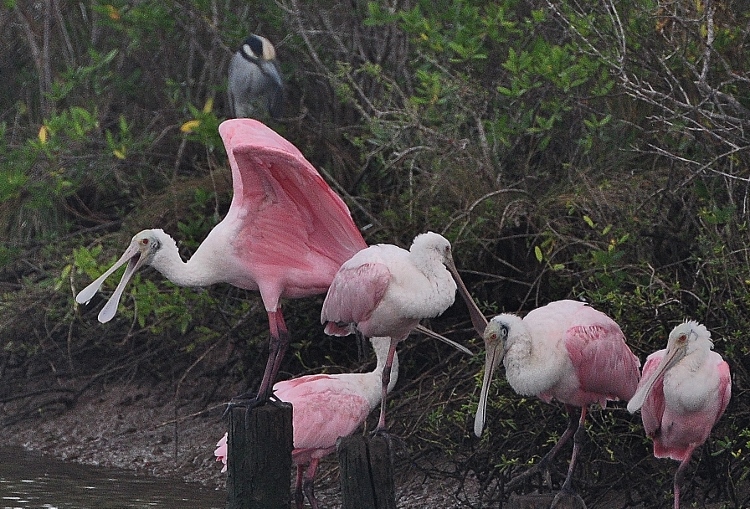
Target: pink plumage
<point>385,290</point>
<point>565,351</point>
<point>683,392</point>
<point>324,408</point>
<point>285,235</point>
<point>291,231</point>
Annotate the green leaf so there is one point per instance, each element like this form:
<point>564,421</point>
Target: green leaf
<point>538,253</point>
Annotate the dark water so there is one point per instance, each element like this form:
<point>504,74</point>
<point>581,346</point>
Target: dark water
<point>28,480</point>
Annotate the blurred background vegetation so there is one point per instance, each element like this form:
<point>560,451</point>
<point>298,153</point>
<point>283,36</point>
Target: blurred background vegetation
<point>596,150</point>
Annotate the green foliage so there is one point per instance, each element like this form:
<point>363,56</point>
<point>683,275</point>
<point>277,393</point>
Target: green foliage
<point>592,150</point>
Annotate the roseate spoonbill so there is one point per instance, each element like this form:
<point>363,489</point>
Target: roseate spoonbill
<point>253,76</point>
<point>682,394</point>
<point>286,234</point>
<point>324,408</point>
<point>385,290</point>
<point>566,351</point>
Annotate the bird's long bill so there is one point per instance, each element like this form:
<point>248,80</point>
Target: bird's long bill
<point>671,357</point>
<point>133,258</point>
<point>434,335</point>
<point>494,353</point>
<point>477,318</point>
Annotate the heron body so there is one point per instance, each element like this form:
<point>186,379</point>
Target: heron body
<point>285,235</point>
<point>683,392</point>
<point>385,290</point>
<point>254,77</point>
<point>324,408</point>
<point>566,351</point>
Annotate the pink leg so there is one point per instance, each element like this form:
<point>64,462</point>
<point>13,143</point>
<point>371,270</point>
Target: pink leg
<point>678,477</point>
<point>299,498</point>
<point>277,348</point>
<point>576,447</point>
<point>386,381</point>
<point>309,483</point>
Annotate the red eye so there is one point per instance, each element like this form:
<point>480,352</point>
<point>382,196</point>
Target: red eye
<point>144,242</point>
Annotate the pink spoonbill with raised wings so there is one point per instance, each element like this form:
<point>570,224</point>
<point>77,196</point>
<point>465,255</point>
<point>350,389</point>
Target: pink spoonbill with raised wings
<point>285,235</point>
<point>385,291</point>
<point>324,408</point>
<point>566,351</point>
<point>684,391</point>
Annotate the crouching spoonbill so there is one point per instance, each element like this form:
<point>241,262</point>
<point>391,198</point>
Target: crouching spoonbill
<point>324,408</point>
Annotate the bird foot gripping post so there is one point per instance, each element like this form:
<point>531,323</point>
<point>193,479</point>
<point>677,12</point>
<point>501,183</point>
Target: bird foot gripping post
<point>366,472</point>
<point>259,457</point>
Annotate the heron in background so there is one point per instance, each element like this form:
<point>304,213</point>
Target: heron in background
<point>254,77</point>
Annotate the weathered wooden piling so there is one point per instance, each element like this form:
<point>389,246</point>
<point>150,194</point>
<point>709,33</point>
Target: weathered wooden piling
<point>366,473</point>
<point>259,457</point>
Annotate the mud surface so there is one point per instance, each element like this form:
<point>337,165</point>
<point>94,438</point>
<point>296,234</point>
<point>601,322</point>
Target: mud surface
<point>144,429</point>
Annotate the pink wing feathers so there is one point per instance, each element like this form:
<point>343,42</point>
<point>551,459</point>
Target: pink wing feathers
<point>604,363</point>
<point>292,223</point>
<point>354,293</point>
<point>725,387</point>
<point>653,408</point>
<point>325,408</point>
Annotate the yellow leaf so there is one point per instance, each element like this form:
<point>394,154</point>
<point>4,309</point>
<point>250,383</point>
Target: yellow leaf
<point>119,153</point>
<point>209,105</point>
<point>189,126</point>
<point>43,133</point>
<point>113,13</point>
<point>538,254</point>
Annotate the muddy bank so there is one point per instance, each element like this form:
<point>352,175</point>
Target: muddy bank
<point>147,430</point>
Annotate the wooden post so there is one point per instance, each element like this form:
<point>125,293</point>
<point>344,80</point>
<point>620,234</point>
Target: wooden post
<point>259,457</point>
<point>366,473</point>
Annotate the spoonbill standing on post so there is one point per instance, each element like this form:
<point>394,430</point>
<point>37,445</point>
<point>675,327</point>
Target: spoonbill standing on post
<point>385,290</point>
<point>683,393</point>
<point>285,235</point>
<point>566,351</point>
<point>324,408</point>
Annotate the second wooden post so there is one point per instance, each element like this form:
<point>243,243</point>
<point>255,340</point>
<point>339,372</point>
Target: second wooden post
<point>259,457</point>
<point>366,473</point>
